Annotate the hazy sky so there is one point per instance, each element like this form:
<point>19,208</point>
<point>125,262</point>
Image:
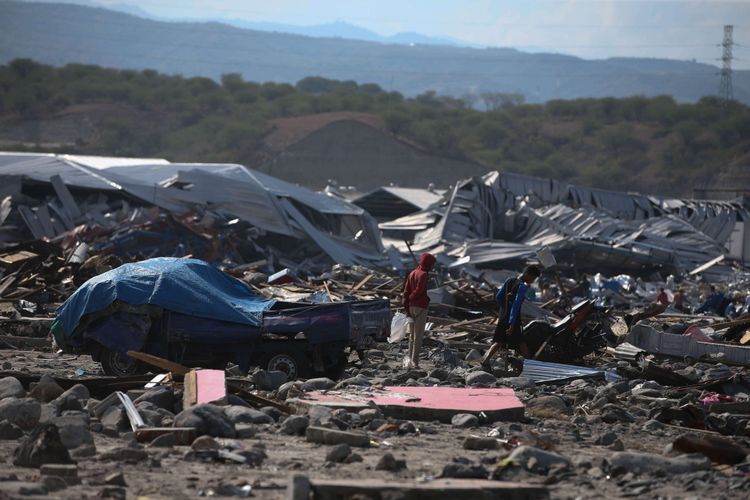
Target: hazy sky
<point>587,28</point>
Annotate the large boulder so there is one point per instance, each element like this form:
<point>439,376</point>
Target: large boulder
<point>46,389</point>
<point>11,387</point>
<point>24,412</point>
<point>547,406</point>
<point>42,446</point>
<point>480,379</point>
<point>245,415</point>
<point>208,419</point>
<point>74,431</point>
<point>160,396</point>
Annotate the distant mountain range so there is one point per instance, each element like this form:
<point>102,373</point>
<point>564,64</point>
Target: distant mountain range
<point>64,33</point>
<point>337,29</point>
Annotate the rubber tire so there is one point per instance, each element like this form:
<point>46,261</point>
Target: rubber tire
<point>336,371</point>
<point>119,365</point>
<point>287,362</point>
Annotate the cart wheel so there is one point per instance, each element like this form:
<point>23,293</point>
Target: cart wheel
<point>119,365</point>
<point>292,364</point>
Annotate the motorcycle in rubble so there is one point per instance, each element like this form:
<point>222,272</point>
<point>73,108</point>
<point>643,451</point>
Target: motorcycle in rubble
<point>583,331</point>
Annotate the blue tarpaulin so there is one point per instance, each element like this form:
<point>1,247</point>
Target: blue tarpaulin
<point>187,286</point>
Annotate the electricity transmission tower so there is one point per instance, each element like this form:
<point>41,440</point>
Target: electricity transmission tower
<point>726,91</point>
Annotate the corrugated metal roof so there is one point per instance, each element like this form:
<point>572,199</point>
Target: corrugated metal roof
<point>420,198</point>
<point>543,371</point>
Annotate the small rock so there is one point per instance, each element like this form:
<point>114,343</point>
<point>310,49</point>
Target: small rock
<point>612,413</point>
<point>390,463</point>
<point>115,418</point>
<point>318,384</point>
<point>245,431</point>
<point>319,415</point>
<point>338,453</point>
<point>205,443</point>
<point>164,441</point>
<point>53,483</point>
<point>127,455</point>
<point>536,460</point>
<point>647,463</point>
<point>24,412</point>
<point>460,470</point>
<point>46,389</point>
<point>617,445</point>
<point>480,379</point>
<point>606,439</point>
<point>79,392</point>
<point>11,387</point>
<point>547,407</point>
<point>74,431</point>
<point>9,431</point>
<point>160,396</point>
<point>330,436</point>
<point>114,492</point>
<point>406,428</point>
<point>480,443</point>
<point>272,412</point>
<point>370,414</point>
<point>293,385</point>
<point>653,425</point>
<point>464,420</point>
<point>83,451</point>
<point>208,419</point>
<point>294,425</point>
<point>473,355</point>
<point>42,446</point>
<point>115,479</point>
<point>269,380</point>
<point>243,415</point>
<point>357,380</point>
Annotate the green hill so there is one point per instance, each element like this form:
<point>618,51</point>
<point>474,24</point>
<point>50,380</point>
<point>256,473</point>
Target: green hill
<point>653,145</point>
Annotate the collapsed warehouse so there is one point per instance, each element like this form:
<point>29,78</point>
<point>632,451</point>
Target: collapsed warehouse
<point>564,427</point>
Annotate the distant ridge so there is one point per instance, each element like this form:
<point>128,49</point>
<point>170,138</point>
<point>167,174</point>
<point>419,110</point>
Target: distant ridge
<point>64,33</point>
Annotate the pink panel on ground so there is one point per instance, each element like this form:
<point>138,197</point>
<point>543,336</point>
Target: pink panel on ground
<point>436,398</point>
<point>211,385</point>
<point>451,398</point>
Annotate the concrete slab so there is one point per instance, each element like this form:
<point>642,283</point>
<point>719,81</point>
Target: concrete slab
<point>420,403</point>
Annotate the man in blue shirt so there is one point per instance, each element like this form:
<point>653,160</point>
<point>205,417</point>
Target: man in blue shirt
<point>714,303</point>
<point>508,331</point>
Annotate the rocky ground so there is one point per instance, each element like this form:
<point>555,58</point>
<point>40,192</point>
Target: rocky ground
<point>582,439</point>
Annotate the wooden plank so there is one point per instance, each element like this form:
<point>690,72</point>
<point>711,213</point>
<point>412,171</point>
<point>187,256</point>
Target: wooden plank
<point>707,265</point>
<point>362,282</point>
<point>66,198</point>
<point>7,282</point>
<point>158,362</point>
<point>251,398</point>
<point>31,222</point>
<point>45,220</point>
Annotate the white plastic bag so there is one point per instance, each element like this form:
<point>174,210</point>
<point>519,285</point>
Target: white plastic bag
<point>399,327</point>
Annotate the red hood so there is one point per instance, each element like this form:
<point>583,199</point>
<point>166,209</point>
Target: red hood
<point>426,262</point>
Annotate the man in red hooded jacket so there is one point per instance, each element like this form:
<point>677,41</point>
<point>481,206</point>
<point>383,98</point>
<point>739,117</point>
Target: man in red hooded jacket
<point>416,302</point>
